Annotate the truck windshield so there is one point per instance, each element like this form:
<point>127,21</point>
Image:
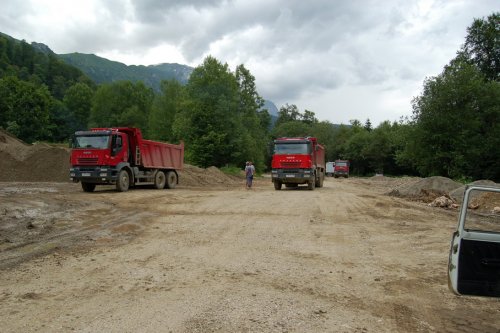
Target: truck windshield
<point>341,164</point>
<point>91,141</point>
<point>292,148</point>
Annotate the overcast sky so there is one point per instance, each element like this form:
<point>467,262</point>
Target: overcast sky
<point>341,59</point>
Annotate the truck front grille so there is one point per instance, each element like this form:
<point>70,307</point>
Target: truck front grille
<point>88,161</point>
<point>290,164</point>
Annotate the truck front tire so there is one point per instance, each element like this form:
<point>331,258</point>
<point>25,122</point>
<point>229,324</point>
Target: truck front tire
<point>123,181</point>
<point>277,185</point>
<point>88,187</point>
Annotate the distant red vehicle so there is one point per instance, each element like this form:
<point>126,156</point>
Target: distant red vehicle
<point>298,161</point>
<point>120,156</point>
<point>341,168</point>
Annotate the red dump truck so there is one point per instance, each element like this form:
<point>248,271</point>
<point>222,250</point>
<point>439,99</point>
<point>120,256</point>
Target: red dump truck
<point>341,169</point>
<point>121,156</point>
<point>298,161</point>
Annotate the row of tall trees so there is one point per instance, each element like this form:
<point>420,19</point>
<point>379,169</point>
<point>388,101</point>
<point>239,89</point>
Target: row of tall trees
<point>454,130</point>
<point>41,97</point>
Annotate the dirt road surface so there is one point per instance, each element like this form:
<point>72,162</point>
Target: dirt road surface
<point>342,258</point>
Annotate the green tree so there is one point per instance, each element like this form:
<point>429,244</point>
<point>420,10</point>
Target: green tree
<point>368,125</point>
<point>78,102</point>
<point>356,151</point>
<point>309,117</point>
<point>456,124</point>
<point>121,103</point>
<point>482,45</point>
<point>292,129</point>
<point>165,107</point>
<point>25,109</point>
<point>288,113</point>
<point>255,124</point>
<point>209,122</point>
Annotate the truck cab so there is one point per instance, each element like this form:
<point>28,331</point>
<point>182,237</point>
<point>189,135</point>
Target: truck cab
<point>298,161</point>
<point>96,156</point>
<point>341,168</point>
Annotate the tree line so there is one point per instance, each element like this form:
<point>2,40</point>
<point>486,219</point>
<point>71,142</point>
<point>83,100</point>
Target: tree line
<point>454,130</point>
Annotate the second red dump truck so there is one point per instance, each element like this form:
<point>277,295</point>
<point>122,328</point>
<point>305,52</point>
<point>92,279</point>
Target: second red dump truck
<point>341,169</point>
<point>121,156</point>
<point>298,161</point>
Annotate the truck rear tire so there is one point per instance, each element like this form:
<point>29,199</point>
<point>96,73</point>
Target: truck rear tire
<point>160,180</point>
<point>171,180</point>
<point>88,187</point>
<point>123,181</point>
<point>277,185</point>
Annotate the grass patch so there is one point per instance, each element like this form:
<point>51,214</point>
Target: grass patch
<point>232,171</point>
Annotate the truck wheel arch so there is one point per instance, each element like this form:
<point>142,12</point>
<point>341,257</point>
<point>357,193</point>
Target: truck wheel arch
<point>126,167</point>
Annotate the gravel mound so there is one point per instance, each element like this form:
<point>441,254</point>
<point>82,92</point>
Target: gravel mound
<point>39,162</point>
<point>425,189</point>
<point>458,194</point>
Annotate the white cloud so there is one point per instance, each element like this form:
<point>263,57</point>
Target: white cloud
<point>341,59</point>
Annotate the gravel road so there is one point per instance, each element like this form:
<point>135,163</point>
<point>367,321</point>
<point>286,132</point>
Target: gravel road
<point>342,258</point>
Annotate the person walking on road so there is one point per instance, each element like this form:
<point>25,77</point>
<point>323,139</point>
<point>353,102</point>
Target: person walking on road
<point>249,172</point>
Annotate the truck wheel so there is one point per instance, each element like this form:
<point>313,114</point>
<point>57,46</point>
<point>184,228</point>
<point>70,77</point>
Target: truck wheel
<point>160,180</point>
<point>277,185</point>
<point>311,185</point>
<point>88,187</point>
<point>123,181</point>
<point>171,180</point>
<point>321,179</point>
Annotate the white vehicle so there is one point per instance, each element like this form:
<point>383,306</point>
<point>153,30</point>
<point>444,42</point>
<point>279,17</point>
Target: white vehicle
<point>474,260</point>
<point>330,168</point>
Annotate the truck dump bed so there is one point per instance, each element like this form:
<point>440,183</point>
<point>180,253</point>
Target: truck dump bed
<point>158,155</point>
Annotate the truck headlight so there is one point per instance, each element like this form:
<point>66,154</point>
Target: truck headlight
<point>103,174</point>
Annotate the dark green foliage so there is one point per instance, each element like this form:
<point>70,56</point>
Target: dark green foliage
<point>25,109</point>
<point>219,118</point>
<point>166,105</point>
<point>456,124</point>
<point>35,83</point>
<point>482,45</point>
<point>121,104</point>
<point>78,102</point>
<point>455,130</point>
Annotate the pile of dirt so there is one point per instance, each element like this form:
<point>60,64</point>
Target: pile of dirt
<point>445,193</point>
<point>458,194</point>
<point>425,189</point>
<point>41,162</point>
<point>192,176</point>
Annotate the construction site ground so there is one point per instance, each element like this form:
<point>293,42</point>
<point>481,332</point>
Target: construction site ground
<point>211,256</point>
